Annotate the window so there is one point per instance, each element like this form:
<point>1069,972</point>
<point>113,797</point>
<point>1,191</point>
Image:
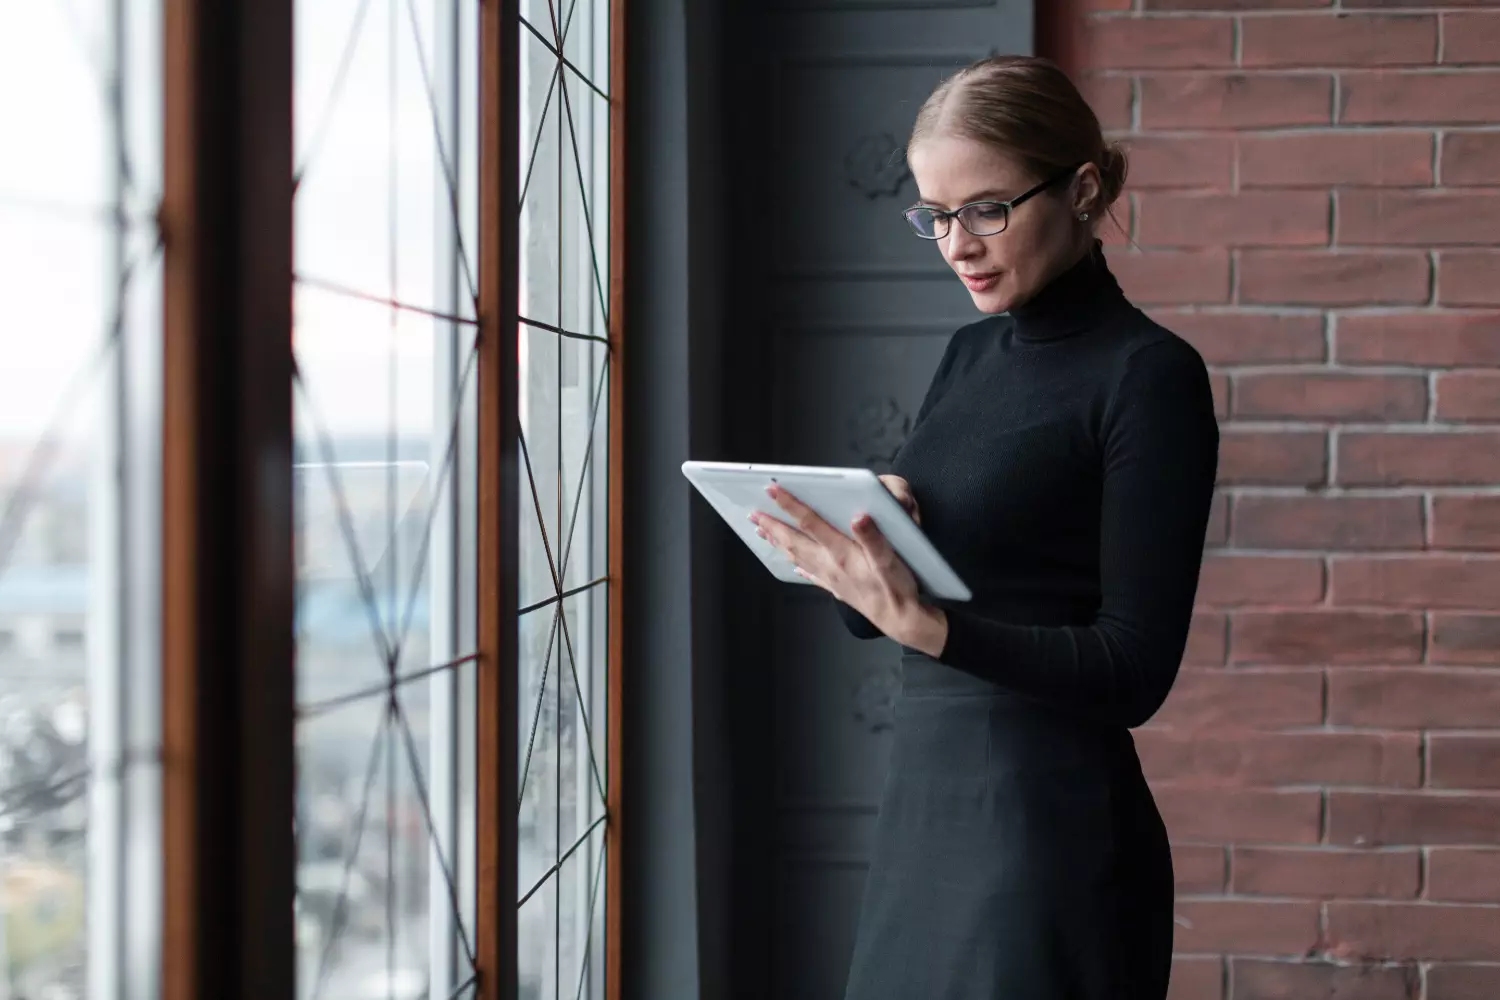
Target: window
<point>385,344</point>
<point>79,409</point>
<point>105,505</point>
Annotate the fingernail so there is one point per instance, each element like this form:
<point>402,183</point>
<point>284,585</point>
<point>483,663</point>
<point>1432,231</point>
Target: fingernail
<point>771,490</point>
<point>762,534</point>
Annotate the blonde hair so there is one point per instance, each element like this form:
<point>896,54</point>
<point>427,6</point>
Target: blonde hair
<point>1027,107</point>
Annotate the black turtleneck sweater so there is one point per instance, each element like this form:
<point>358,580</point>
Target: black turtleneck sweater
<point>1064,460</point>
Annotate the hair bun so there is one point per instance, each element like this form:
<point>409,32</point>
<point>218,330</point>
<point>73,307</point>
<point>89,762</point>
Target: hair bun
<point>1113,166</point>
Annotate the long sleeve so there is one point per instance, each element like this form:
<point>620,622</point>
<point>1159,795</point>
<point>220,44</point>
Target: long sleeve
<point>1160,455</point>
<point>858,625</point>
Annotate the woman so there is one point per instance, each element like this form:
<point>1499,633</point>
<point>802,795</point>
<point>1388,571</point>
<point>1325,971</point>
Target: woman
<point>1063,461</point>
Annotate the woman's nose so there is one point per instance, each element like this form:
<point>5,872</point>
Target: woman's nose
<point>961,244</point>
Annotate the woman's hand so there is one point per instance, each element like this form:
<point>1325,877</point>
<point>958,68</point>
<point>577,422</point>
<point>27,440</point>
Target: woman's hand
<point>901,490</point>
<point>865,573</point>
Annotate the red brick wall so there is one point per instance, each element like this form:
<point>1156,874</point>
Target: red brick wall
<point>1315,193</point>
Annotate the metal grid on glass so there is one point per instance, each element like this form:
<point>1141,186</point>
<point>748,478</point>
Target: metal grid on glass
<point>80,276</point>
<point>386,339</point>
<point>564,453</point>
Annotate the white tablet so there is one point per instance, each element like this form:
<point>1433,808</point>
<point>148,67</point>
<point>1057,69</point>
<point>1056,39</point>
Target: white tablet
<point>839,496</point>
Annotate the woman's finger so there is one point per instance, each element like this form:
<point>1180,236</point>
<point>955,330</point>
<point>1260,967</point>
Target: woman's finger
<point>797,547</point>
<point>809,522</point>
<point>901,490</point>
<point>812,579</point>
<point>877,547</point>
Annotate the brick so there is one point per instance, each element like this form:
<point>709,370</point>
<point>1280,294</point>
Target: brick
<point>1446,339</point>
<point>1273,458</point>
<point>1464,762</point>
<point>1469,396</point>
<point>1348,159</point>
<point>1414,458</point>
<point>1112,98</point>
<point>1281,758</point>
<point>1235,100</point>
<point>1257,979</point>
<point>1330,397</point>
<point>1217,533</point>
<point>1239,580</point>
<point>1228,338</point>
<point>1414,930</point>
<point>1219,385</point>
<point>1428,218</point>
<point>1172,162</point>
<point>1471,38</point>
<point>1463,982</point>
<point>1464,639</point>
<point>1324,874</point>
<point>1371,4</point>
<point>1469,278</point>
<point>1291,277</point>
<point>1338,40</point>
<point>1470,158</point>
<point>1195,978</point>
<point>1240,815</point>
<point>1175,43</point>
<point>1460,522</point>
<point>1260,928</point>
<point>1413,699</point>
<point>1206,641</point>
<point>1376,819</point>
<point>1173,278</point>
<point>1325,637</point>
<point>1463,582</point>
<point>1199,868</point>
<point>1242,700</point>
<point>1350,523</point>
<point>1391,97</point>
<point>1462,875</point>
<point>1258,218</point>
<point>1253,5</point>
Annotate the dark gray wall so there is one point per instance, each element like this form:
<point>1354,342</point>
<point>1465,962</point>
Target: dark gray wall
<point>676,754</point>
<point>778,311</point>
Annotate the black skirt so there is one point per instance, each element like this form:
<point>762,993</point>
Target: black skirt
<point>1018,855</point>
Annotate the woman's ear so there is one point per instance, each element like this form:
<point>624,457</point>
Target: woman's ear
<point>1087,188</point>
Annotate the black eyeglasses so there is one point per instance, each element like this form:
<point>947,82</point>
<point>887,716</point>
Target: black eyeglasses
<point>980,218</point>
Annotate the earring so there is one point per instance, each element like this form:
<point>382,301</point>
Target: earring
<point>1084,217</point>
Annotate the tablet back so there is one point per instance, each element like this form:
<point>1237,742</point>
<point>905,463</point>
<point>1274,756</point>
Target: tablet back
<point>839,496</point>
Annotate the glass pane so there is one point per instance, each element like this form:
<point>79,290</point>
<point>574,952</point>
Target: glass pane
<point>581,21</point>
<point>564,413</point>
<point>585,458</point>
<point>536,945</point>
<point>543,664</point>
<point>593,629</point>
<point>543,132</point>
<point>581,920</point>
<point>585,213</point>
<point>541,463</point>
<point>80,282</point>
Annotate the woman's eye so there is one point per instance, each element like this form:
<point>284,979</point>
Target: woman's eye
<point>990,212</point>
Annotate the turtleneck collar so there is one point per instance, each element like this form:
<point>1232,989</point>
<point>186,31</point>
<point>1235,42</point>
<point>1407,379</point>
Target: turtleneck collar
<point>1073,302</point>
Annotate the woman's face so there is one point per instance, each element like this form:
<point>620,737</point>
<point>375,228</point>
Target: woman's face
<point>1044,235</point>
